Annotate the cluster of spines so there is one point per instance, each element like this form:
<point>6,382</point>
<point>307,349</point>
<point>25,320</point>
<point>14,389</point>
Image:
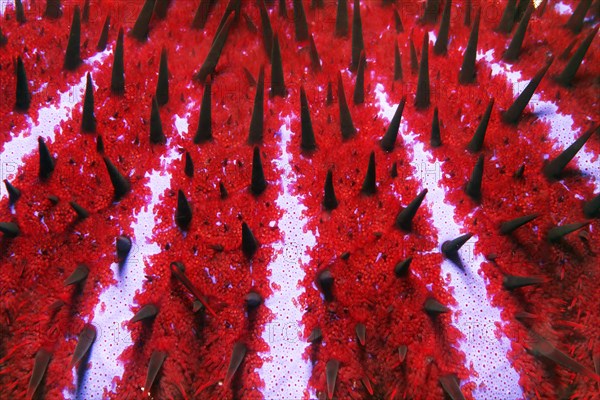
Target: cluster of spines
<point>183,214</point>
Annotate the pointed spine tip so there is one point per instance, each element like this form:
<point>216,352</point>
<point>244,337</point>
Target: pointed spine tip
<point>103,38</point>
<point>162,85</point>
<point>188,168</point>
<point>40,365</point>
<point>441,44</point>
<point>359,86</point>
<point>120,184</point>
<point>86,338</point>
<point>214,54</point>
<point>249,243</point>
<point>361,333</point>
<point>257,121</point>
<point>513,114</point>
<point>157,135</point>
<point>117,83</point>
<point>509,227</point>
<point>512,282</point>
<point>78,276</point>
<point>204,131</point>
<point>88,120</point>
<point>451,247</point>
<point>259,183</point>
<point>388,142</point>
<point>331,373</point>
<point>467,71</point>
<point>307,134</point>
<point>147,312</point>
<point>46,160</point>
<point>330,202</point>
<point>476,143</point>
<point>567,75</point>
<point>222,190</point>
<point>314,55</point>
<point>183,213</point>
<point>142,24</point>
<point>405,217</point>
<point>369,186</point>
<point>451,386</point>
<point>237,356</point>
<point>557,233</point>
<point>81,212</point>
<point>72,54</point>
<point>514,48</point>
<point>575,22</point>
<point>414,61</point>
<point>398,22</point>
<point>473,188</point>
<point>154,365</point>
<point>402,269</point>
<point>267,30</point>
<point>554,169</point>
<point>422,97</point>
<point>346,125</point>
<point>358,44</point>
<point>23,96</point>
<point>397,63</point>
<point>14,194</point>
<point>436,138</point>
<point>277,79</point>
<point>434,307</point>
<point>315,335</point>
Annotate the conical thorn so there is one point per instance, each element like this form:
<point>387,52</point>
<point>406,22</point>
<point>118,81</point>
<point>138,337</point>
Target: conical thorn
<point>512,115</point>
<point>249,243</point>
<point>257,121</point>
<point>307,134</point>
<point>369,186</point>
<point>72,54</point>
<point>329,200</point>
<point>402,269</point>
<point>405,216</point>
<point>183,213</point>
<point>237,356</point>
<point>156,361</point>
<point>555,168</point>
<point>149,311</point>
<point>388,142</point>
<point>346,125</point>
<point>204,131</point>
<point>434,307</point>
<point>142,24</point>
<point>78,276</point>
<point>331,373</point>
<point>86,338</point>
<point>259,183</point>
